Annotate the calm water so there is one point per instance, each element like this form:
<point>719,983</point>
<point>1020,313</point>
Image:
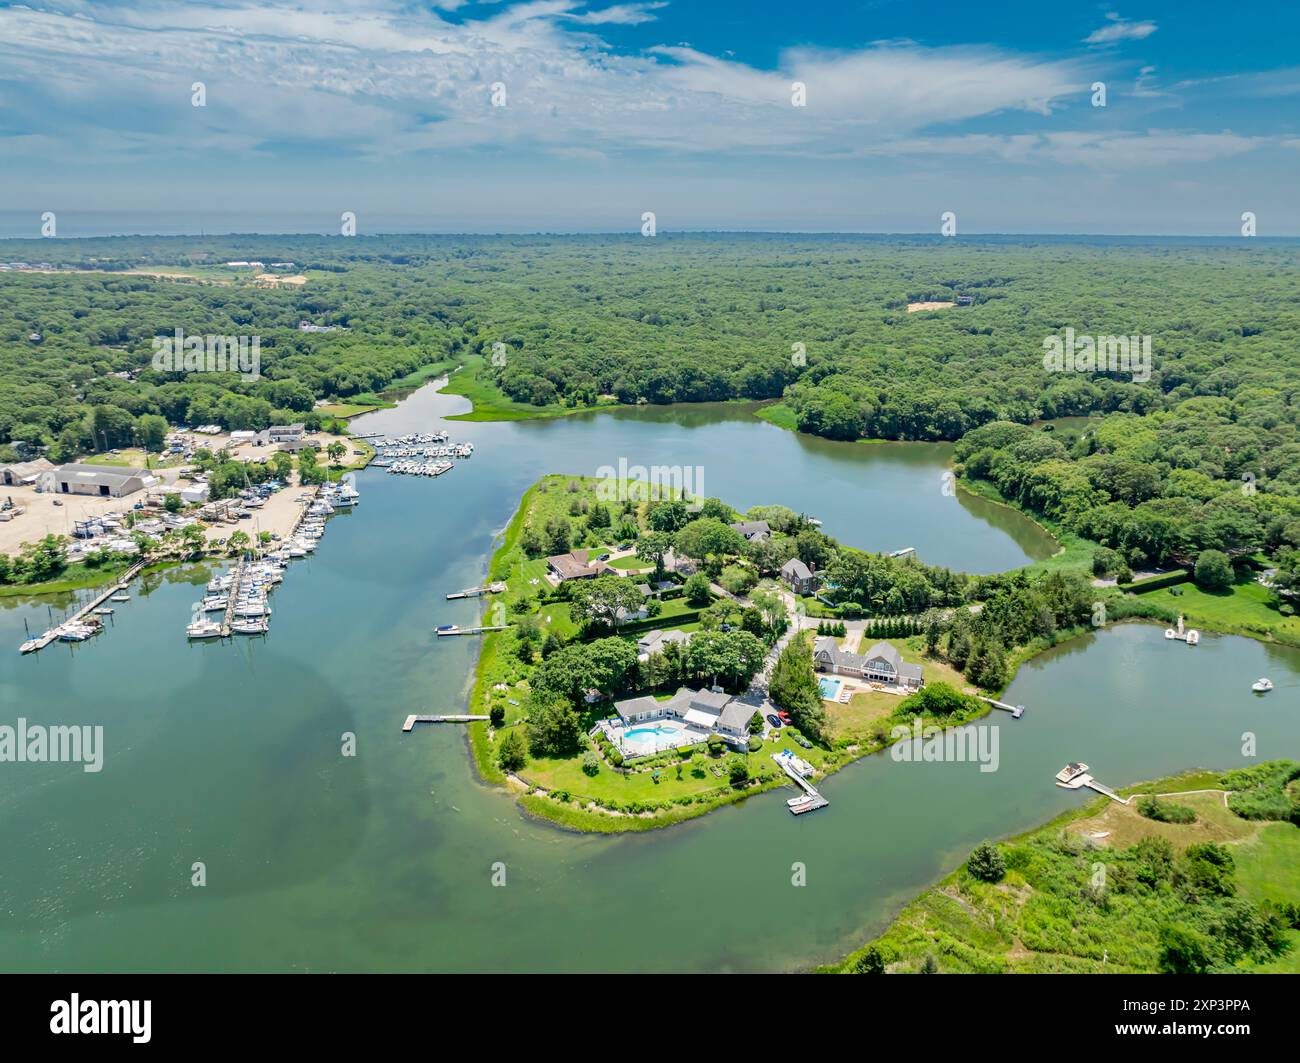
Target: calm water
<point>230,755</point>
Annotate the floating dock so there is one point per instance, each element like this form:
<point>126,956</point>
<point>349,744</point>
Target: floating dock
<point>1076,777</point>
<point>412,720</point>
<point>1016,711</point>
<point>453,630</point>
<point>810,800</point>
<point>41,641</point>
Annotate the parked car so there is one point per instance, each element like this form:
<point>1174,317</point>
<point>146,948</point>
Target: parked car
<point>773,720</point>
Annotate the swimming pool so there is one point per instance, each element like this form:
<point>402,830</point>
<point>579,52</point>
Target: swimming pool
<point>654,735</point>
<point>830,688</point>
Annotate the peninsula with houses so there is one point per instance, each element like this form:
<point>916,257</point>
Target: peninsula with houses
<point>660,658</point>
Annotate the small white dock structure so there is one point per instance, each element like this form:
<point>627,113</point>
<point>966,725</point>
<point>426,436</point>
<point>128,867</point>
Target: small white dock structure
<point>1075,777</point>
<point>1181,634</point>
<point>495,587</point>
<point>1016,711</point>
<point>808,801</point>
<point>413,719</point>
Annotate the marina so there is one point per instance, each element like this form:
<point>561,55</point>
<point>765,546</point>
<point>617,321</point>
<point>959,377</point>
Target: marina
<point>417,454</point>
<point>242,595</point>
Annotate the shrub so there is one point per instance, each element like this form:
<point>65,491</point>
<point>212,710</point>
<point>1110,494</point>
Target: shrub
<point>512,753</point>
<point>738,771</point>
<point>986,863</point>
<point>755,744</point>
<point>1165,811</point>
<point>590,763</point>
<point>870,962</point>
<point>497,715</point>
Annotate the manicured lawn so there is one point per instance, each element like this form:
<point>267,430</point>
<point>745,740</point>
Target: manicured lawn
<point>631,563</point>
<point>854,720</point>
<point>1245,610</point>
<point>1268,868</point>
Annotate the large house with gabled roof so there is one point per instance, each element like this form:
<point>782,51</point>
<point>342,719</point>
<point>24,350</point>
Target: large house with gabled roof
<point>880,664</point>
<point>798,576</point>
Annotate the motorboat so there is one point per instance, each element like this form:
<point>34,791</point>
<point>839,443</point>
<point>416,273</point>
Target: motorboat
<point>203,629</point>
<point>250,627</point>
<point>1262,685</point>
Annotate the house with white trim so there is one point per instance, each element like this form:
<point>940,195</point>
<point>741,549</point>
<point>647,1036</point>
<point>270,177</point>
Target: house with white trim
<point>880,664</point>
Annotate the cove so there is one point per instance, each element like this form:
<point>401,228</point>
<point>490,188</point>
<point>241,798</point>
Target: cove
<point>231,755</point>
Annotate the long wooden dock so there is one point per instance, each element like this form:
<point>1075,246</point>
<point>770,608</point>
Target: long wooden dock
<point>232,597</point>
<point>495,587</point>
<point>40,642</point>
<point>470,630</point>
<point>412,720</point>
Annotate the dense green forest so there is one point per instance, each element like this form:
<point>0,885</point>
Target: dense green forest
<point>1202,455</point>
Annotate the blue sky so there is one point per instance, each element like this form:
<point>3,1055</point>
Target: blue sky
<point>385,108</point>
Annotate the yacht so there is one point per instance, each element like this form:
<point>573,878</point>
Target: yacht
<point>203,629</point>
<point>250,627</point>
<point>1262,685</point>
<point>75,632</point>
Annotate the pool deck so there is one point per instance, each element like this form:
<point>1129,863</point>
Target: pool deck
<point>678,735</point>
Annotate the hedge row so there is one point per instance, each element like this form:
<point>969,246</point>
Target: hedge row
<point>1155,583</point>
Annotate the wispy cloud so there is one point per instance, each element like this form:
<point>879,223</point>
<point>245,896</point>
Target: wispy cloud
<point>385,80</point>
<point>1119,29</point>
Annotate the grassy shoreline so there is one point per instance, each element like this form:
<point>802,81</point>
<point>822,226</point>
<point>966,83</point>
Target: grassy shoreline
<point>975,925</point>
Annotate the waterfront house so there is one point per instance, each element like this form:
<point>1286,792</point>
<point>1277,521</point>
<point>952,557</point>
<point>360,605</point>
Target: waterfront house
<point>707,711</point>
<point>754,531</point>
<point>574,565</point>
<point>798,576</point>
<point>880,664</point>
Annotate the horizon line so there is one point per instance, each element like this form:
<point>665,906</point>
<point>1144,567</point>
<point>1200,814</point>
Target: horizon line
<point>202,234</point>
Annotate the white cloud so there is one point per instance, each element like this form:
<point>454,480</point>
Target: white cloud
<point>1118,29</point>
<point>382,79</point>
<point>1100,150</point>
